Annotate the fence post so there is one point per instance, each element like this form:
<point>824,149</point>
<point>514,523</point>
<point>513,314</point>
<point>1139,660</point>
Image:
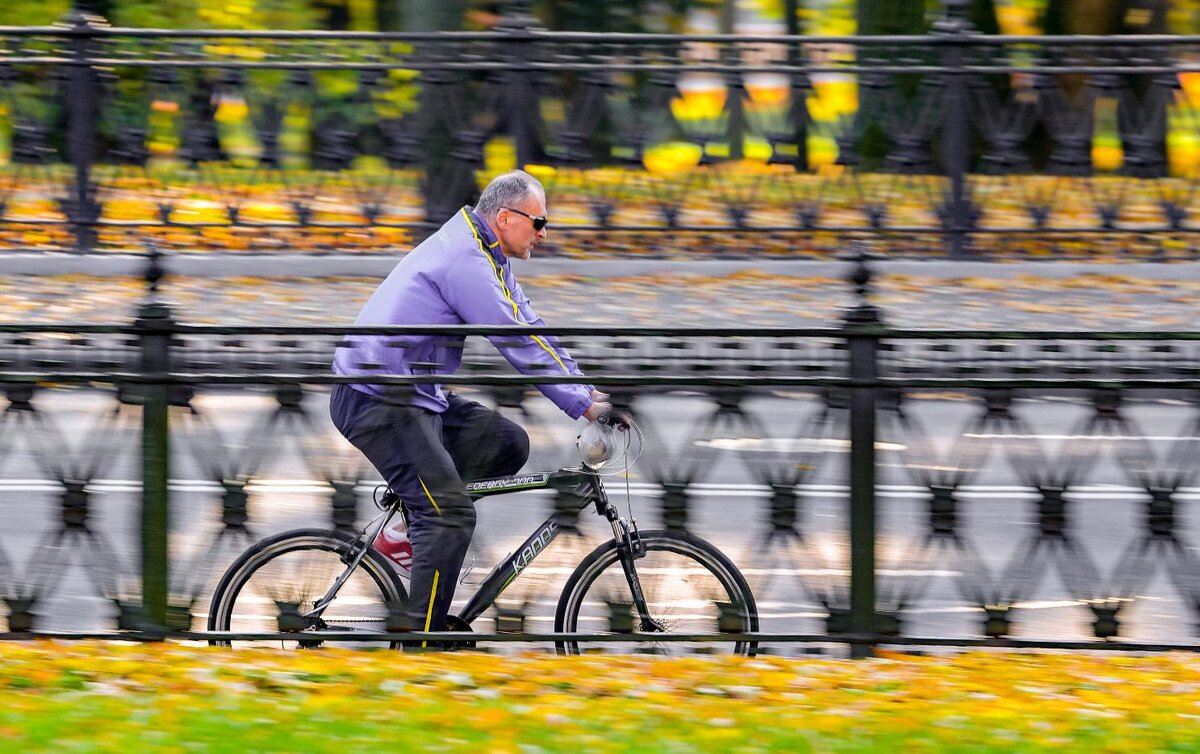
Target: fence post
<point>735,90</point>
<point>83,113</point>
<point>800,85</point>
<point>958,212</point>
<point>522,116</point>
<point>155,324</point>
<point>862,326</point>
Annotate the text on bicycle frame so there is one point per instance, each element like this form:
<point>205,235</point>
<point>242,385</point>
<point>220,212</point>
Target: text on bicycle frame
<point>508,483</point>
<point>537,543</point>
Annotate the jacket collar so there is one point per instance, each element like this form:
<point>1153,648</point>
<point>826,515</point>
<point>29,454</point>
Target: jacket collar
<point>490,242</point>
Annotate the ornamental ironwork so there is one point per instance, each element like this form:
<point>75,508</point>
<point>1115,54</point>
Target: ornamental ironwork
<point>654,145</point>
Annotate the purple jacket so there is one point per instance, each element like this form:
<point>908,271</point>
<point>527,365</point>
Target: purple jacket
<point>456,276</point>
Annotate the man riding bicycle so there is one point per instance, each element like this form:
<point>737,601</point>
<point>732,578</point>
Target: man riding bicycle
<point>426,441</point>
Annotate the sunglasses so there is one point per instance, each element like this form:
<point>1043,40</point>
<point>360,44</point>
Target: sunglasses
<point>538,221</point>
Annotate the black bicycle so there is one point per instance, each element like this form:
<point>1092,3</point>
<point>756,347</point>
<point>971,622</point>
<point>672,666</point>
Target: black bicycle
<point>639,582</point>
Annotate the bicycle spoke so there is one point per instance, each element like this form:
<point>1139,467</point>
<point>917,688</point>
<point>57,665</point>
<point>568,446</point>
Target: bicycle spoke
<point>277,588</point>
<point>683,595</point>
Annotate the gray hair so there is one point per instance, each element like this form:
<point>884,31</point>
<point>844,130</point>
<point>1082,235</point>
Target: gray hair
<point>505,191</point>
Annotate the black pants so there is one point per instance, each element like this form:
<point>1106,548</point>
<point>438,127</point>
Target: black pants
<point>426,458</point>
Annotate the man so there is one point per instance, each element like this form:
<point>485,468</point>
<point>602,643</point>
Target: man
<point>426,441</point>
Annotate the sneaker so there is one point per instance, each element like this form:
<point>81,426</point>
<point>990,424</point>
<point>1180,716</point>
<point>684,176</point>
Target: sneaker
<point>392,543</point>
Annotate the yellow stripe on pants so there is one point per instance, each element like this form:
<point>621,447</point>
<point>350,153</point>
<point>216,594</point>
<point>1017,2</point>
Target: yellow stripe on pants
<point>431,500</point>
<point>429,613</point>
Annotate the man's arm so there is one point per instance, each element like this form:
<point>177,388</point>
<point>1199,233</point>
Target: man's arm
<point>477,292</point>
<point>525,307</point>
<point>600,403</point>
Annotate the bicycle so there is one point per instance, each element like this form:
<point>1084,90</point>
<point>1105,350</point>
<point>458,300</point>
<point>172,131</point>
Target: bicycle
<point>651,582</point>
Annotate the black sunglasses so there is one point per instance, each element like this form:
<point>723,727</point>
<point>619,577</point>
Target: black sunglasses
<point>538,221</point>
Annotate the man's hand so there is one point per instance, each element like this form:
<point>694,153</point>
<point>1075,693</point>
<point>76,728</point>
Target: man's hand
<point>600,406</point>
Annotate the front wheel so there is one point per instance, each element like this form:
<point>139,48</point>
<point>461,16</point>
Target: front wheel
<point>689,586</point>
<point>274,583</point>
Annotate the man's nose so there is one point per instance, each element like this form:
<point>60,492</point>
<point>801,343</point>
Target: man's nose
<point>542,233</point>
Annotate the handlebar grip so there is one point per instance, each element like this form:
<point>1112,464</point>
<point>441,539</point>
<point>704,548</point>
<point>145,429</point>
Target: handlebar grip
<point>617,419</point>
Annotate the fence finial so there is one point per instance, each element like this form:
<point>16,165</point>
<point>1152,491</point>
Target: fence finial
<point>862,311</point>
<point>154,308</point>
<point>956,18</point>
<point>155,271</point>
<point>517,15</point>
<point>957,7</point>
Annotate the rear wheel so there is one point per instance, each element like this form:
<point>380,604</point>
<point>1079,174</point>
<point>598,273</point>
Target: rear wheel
<point>690,587</point>
<point>274,583</point>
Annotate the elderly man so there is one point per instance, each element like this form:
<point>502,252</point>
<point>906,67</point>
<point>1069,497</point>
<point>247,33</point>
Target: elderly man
<point>426,441</point>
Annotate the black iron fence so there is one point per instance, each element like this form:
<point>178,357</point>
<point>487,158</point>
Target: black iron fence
<point>661,145</point>
<point>875,485</point>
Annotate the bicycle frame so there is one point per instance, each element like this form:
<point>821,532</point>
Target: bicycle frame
<point>587,487</point>
<point>583,484</point>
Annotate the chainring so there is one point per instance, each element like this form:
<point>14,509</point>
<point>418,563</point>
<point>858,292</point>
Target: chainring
<point>455,623</point>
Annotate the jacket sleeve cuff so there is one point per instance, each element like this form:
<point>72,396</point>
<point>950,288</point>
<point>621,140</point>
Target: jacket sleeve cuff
<point>579,408</point>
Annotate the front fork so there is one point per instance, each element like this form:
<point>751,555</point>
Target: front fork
<point>630,549</point>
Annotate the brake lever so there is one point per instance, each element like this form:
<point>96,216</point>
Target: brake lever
<point>619,419</point>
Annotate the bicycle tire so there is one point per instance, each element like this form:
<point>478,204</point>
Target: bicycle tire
<point>604,563</point>
<point>373,579</point>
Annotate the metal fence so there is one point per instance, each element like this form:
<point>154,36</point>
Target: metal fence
<point>875,485</point>
<point>955,143</point>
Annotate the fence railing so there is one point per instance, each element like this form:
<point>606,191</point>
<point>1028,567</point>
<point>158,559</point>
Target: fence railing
<point>875,485</point>
<point>660,145</point>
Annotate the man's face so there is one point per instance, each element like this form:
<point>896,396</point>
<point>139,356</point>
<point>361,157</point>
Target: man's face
<point>516,231</point>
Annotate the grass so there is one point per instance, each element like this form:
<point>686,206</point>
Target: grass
<point>107,697</point>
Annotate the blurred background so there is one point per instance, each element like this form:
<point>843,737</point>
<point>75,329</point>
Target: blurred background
<point>959,238</point>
